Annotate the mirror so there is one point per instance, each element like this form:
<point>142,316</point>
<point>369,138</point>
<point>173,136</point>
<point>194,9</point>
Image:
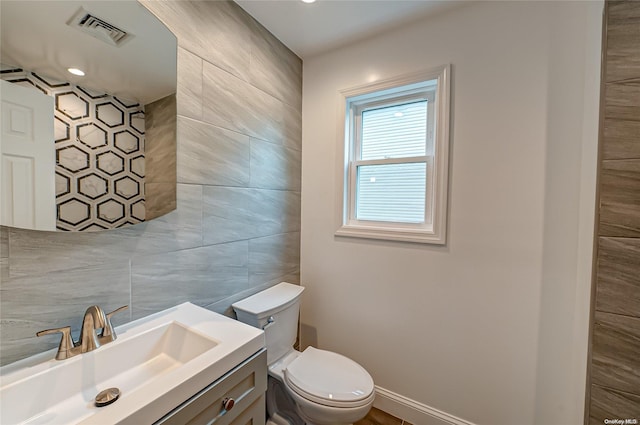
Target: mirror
<point>79,152</point>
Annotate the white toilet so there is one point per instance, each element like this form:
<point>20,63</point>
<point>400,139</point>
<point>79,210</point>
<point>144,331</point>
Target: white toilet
<point>315,387</point>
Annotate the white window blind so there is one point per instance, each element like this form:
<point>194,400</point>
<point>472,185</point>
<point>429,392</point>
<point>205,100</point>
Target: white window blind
<point>393,192</point>
<point>394,131</point>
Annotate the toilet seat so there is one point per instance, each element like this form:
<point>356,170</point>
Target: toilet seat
<point>329,379</point>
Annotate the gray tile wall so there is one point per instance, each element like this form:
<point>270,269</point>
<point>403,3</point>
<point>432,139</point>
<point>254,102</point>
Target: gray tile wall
<point>160,149</point>
<point>615,365</point>
<point>236,229</point>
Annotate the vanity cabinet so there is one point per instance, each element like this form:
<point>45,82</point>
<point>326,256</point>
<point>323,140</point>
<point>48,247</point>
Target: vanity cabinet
<point>246,385</point>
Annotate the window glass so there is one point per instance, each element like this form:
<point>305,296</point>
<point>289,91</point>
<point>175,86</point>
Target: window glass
<point>391,192</point>
<point>394,131</point>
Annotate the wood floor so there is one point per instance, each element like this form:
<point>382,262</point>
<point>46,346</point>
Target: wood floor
<point>378,417</point>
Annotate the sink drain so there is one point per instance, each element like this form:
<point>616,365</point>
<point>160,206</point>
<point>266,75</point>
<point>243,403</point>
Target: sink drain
<point>106,397</point>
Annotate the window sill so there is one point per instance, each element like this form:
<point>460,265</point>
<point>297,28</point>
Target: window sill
<point>426,235</point>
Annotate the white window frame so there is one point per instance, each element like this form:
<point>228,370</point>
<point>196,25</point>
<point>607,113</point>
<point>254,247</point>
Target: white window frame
<point>408,87</point>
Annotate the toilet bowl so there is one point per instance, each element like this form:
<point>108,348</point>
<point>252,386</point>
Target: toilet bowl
<point>313,387</point>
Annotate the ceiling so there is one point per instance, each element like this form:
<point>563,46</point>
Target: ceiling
<point>311,29</point>
<point>35,36</point>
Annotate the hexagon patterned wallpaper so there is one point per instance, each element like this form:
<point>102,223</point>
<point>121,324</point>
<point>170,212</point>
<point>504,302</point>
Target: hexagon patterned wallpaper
<point>99,143</point>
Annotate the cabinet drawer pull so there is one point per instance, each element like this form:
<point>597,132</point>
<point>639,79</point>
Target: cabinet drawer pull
<point>228,403</point>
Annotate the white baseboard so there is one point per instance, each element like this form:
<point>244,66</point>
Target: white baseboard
<point>413,411</point>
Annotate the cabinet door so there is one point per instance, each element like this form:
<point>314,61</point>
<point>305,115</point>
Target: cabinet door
<point>245,384</point>
<point>254,415</point>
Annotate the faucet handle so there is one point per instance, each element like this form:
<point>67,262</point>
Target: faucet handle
<point>117,310</point>
<point>66,343</point>
<point>108,331</point>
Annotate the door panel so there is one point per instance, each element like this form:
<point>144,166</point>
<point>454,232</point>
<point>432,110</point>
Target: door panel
<point>27,146</point>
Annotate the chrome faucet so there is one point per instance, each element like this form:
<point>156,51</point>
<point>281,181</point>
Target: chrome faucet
<point>94,320</point>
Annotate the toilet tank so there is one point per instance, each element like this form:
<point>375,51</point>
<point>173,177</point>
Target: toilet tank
<point>275,310</point>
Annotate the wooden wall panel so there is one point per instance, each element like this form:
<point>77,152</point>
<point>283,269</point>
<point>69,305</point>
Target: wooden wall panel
<point>612,404</point>
<point>618,286</point>
<point>623,54</point>
<point>620,198</point>
<point>614,375</point>
<point>616,345</point>
<point>621,139</point>
<point>622,101</point>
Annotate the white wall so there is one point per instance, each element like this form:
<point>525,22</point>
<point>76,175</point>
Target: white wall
<point>492,327</point>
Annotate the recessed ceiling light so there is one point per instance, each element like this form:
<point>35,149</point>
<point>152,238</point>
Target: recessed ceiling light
<point>76,71</point>
<point>309,1</point>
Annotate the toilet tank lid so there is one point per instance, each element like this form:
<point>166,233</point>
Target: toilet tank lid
<point>270,300</point>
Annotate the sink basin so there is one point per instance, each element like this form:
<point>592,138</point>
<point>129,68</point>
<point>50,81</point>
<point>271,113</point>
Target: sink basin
<point>156,362</point>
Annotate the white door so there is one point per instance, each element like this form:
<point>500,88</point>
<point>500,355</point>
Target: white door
<point>27,166</point>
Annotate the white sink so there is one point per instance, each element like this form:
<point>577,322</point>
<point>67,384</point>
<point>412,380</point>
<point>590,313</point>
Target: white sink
<point>157,362</point>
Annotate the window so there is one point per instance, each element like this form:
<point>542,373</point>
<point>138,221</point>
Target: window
<point>394,171</point>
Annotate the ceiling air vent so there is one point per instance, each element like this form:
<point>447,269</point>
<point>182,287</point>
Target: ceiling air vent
<point>98,28</point>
